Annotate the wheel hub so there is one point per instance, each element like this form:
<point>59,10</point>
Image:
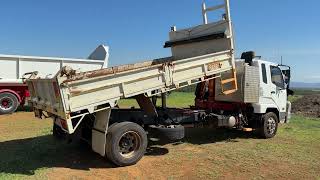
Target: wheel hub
<point>5,103</point>
<point>129,144</point>
<point>271,126</point>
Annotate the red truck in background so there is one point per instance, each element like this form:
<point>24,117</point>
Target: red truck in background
<point>15,69</point>
<point>11,96</point>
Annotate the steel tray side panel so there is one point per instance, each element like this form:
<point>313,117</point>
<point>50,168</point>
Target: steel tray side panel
<point>90,92</point>
<point>203,67</point>
<point>14,67</point>
<point>94,98</point>
<point>105,89</point>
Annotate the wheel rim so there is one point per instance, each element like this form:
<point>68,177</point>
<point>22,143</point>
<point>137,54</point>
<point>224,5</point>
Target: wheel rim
<point>271,125</point>
<point>6,103</point>
<point>129,144</point>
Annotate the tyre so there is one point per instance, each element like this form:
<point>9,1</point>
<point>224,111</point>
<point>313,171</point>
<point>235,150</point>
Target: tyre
<point>8,103</point>
<point>269,125</point>
<point>126,143</point>
<point>173,133</point>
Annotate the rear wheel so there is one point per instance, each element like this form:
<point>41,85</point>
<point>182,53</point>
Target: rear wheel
<point>8,103</point>
<point>269,125</point>
<point>126,143</point>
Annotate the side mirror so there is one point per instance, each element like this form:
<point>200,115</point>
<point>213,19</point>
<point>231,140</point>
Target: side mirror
<point>280,88</point>
<point>286,71</point>
<point>290,92</point>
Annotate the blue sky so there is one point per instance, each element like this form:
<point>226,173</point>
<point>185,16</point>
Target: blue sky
<point>137,30</point>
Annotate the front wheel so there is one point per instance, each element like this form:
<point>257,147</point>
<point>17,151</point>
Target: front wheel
<point>269,125</point>
<point>126,143</point>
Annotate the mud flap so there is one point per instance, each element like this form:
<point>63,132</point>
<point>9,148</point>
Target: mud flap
<point>99,131</point>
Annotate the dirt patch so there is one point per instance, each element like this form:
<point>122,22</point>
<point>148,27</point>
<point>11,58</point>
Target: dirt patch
<point>22,125</point>
<point>308,105</point>
<point>28,151</point>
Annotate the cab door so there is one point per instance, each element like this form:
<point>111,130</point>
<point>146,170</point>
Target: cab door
<point>278,90</point>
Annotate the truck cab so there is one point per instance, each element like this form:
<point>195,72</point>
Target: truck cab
<point>272,90</point>
<point>261,101</point>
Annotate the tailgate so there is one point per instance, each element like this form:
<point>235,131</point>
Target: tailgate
<point>45,95</point>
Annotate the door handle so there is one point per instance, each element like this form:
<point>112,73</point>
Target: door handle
<point>273,92</point>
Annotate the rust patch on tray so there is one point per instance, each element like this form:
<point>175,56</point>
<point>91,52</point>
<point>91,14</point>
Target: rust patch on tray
<point>118,69</point>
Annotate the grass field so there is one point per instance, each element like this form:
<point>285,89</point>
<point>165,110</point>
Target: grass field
<point>175,99</point>
<point>28,151</point>
<point>305,91</point>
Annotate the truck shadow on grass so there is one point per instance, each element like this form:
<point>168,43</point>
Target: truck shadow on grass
<point>24,109</point>
<point>25,156</point>
<point>199,136</point>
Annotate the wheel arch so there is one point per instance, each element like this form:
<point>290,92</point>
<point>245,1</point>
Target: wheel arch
<point>12,92</point>
<point>274,110</point>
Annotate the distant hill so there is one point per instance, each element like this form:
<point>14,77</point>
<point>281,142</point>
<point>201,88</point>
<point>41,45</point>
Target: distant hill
<point>305,85</point>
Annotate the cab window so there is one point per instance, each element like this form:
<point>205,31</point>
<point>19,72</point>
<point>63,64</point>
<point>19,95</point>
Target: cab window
<point>276,76</point>
<point>264,73</point>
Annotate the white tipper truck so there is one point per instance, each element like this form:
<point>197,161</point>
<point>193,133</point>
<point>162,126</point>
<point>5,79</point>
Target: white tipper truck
<point>249,94</point>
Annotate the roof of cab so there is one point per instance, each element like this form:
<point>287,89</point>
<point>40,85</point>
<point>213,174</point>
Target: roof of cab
<point>260,61</point>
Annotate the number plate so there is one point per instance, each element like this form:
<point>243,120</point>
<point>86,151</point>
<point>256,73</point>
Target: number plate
<point>214,66</point>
